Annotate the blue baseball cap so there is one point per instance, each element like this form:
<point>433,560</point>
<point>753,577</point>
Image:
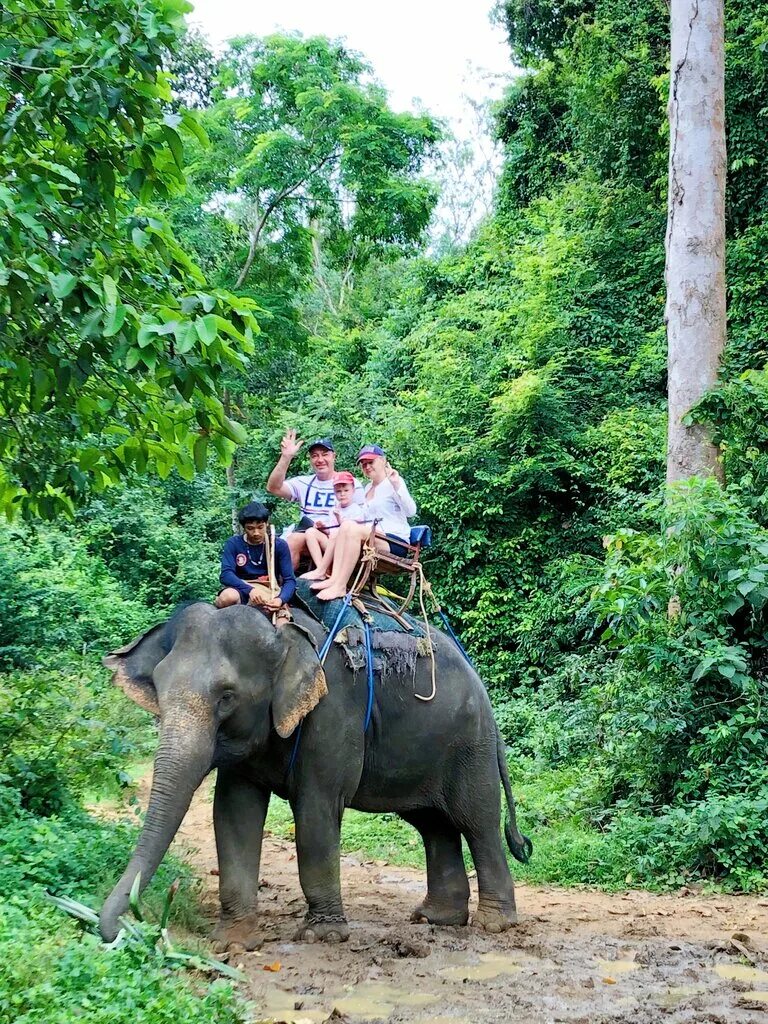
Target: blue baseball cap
<point>322,442</point>
<point>371,450</point>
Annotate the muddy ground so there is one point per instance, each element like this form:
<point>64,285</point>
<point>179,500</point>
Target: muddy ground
<point>578,956</point>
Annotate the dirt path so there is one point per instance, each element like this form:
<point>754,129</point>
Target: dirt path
<point>577,956</point>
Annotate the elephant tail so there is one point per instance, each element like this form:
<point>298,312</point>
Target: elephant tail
<point>520,846</point>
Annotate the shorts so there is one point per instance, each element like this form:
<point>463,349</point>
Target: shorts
<point>396,546</point>
<point>283,613</point>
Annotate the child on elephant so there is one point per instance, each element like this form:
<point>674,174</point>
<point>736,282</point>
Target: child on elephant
<point>322,543</point>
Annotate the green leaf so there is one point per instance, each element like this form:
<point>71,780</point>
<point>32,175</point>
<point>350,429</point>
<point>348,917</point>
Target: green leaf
<point>200,453</point>
<point>147,334</point>
<point>185,469</point>
<point>114,320</point>
<point>190,122</point>
<point>175,145</point>
<point>186,337</point>
<point>60,169</point>
<point>207,329</point>
<point>63,284</point>
<point>110,290</point>
<point>234,431</point>
<point>133,358</point>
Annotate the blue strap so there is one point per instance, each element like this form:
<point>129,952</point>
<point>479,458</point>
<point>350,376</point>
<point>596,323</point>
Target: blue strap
<point>369,658</point>
<point>295,751</point>
<point>455,639</point>
<point>334,630</point>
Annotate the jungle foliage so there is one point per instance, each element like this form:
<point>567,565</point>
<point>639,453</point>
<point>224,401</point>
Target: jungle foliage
<point>518,384</point>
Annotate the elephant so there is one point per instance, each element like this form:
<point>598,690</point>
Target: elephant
<point>230,691</point>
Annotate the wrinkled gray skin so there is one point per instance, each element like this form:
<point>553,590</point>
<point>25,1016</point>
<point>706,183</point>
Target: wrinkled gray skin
<point>230,690</point>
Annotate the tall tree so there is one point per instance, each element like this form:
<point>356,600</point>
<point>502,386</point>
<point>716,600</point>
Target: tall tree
<point>111,343</point>
<point>310,164</point>
<point>695,268</point>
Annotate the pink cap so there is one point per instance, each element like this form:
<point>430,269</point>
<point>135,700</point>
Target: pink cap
<point>343,478</point>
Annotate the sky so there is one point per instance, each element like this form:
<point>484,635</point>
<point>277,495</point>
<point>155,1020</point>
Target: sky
<point>421,50</point>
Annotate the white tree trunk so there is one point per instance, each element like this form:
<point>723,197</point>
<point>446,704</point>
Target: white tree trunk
<point>695,268</point>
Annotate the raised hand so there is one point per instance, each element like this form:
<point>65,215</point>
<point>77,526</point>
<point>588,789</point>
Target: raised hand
<point>289,446</point>
<point>394,477</point>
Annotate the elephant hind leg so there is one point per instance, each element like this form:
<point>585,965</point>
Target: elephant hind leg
<point>447,897</point>
<point>496,909</point>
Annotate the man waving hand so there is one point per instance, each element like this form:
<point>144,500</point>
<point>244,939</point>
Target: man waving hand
<point>313,492</point>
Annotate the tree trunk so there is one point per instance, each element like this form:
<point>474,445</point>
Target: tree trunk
<point>226,400</point>
<point>695,268</point>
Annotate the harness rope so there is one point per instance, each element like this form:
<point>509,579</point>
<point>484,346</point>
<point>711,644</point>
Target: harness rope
<point>370,555</point>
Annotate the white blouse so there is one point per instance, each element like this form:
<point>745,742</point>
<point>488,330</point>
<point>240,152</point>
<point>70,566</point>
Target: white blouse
<point>392,508</point>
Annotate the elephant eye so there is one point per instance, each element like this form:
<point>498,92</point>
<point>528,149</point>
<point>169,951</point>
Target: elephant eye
<point>226,699</point>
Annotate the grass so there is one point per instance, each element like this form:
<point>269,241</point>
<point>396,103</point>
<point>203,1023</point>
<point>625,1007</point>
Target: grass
<point>373,836</point>
<point>50,970</point>
<point>566,850</point>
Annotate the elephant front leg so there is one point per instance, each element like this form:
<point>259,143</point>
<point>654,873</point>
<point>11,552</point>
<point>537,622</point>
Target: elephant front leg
<point>318,825</point>
<point>239,811</point>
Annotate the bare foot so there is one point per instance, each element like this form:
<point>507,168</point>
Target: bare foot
<point>315,574</point>
<point>321,584</point>
<point>331,594</point>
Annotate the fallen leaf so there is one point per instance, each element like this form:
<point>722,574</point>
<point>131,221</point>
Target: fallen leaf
<point>738,943</point>
<point>274,967</point>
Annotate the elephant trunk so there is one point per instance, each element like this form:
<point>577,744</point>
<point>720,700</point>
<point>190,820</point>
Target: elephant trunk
<point>182,761</point>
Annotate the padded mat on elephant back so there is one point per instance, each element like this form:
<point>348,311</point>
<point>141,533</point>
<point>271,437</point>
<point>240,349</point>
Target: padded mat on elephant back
<point>396,648</point>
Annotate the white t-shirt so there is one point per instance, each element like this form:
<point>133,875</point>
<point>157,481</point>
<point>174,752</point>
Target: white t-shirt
<point>354,511</point>
<point>317,498</point>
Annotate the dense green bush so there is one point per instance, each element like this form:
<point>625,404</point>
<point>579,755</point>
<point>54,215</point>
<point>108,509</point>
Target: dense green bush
<point>71,975</point>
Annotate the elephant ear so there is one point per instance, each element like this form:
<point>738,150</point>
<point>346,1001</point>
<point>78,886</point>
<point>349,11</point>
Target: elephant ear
<point>300,682</point>
<point>132,666</point>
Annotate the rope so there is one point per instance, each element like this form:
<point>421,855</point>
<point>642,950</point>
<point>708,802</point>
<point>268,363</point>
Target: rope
<point>369,656</point>
<point>444,619</point>
<point>422,583</point>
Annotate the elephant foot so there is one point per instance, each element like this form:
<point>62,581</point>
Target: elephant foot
<point>322,929</point>
<point>431,913</point>
<point>237,936</point>
<point>494,919</point>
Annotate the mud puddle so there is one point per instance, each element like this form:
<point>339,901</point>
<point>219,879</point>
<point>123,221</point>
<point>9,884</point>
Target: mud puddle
<point>576,956</point>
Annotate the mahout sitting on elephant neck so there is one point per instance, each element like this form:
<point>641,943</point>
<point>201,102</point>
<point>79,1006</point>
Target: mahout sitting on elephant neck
<point>230,691</point>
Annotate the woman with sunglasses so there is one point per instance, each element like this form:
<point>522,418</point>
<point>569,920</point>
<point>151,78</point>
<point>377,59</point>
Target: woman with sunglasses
<point>388,503</point>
